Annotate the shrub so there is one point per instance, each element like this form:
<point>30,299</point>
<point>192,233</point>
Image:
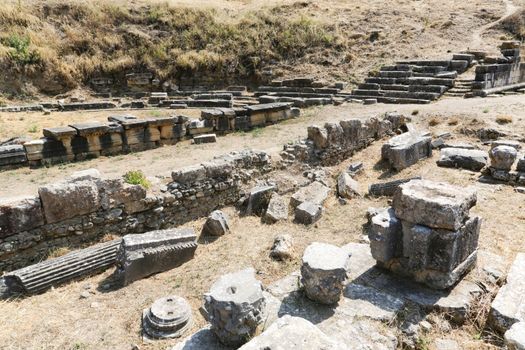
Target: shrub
<point>20,52</point>
<point>434,121</point>
<point>504,119</point>
<point>137,177</point>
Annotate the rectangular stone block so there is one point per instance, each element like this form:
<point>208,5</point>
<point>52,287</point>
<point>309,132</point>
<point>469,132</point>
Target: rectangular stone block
<point>60,132</point>
<point>66,200</point>
<point>385,235</point>
<point>12,155</point>
<point>141,255</point>
<point>152,134</point>
<point>406,149</point>
<point>206,138</point>
<point>434,204</point>
<point>20,214</point>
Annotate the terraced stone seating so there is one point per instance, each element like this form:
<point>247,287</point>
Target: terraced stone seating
<point>302,92</point>
<point>415,81</point>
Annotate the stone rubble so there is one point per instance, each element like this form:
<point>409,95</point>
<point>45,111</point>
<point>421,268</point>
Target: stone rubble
<point>282,248</point>
<point>277,209</point>
<point>474,160</point>
<point>407,149</point>
<point>347,187</point>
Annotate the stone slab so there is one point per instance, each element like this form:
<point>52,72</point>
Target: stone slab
<point>20,214</point>
<point>315,193</point>
<point>406,149</point>
<point>474,160</point>
<point>434,204</point>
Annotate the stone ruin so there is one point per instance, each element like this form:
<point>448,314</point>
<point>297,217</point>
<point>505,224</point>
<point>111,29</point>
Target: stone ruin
<point>235,307</point>
<point>126,133</point>
<point>406,149</point>
<point>428,233</point>
<point>141,255</point>
<point>87,206</point>
<point>168,317</point>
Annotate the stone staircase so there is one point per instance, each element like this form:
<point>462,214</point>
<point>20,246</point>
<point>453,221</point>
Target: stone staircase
<point>413,81</point>
<point>461,88</point>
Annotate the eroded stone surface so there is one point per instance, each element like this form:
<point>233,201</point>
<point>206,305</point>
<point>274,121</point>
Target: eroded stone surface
<point>515,337</point>
<point>168,317</point>
<point>236,307</point>
<point>315,193</point>
<point>308,213</point>
<point>434,204</point>
<point>293,333</point>
<point>406,149</point>
<point>385,235</point>
<point>324,272</point>
<point>216,224</point>
<point>509,305</point>
<point>347,187</point>
<point>277,209</point>
<point>282,248</point>
<point>20,214</point>
<point>502,157</point>
<point>469,159</point>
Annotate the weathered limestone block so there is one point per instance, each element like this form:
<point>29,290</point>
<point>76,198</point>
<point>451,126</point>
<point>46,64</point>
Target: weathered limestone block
<point>34,150</point>
<point>406,149</point>
<point>258,200</point>
<point>142,255</point>
<point>66,200</point>
<point>510,143</point>
<point>521,165</point>
<point>206,138</point>
<point>111,142</point>
<point>64,135</point>
<point>277,209</point>
<point>87,141</point>
<point>308,213</point>
<point>168,317</point>
<point>515,337</point>
<point>20,214</point>
<point>115,192</point>
<point>385,235</point>
<point>438,249</point>
<point>434,204</point>
<point>134,131</point>
<point>388,188</point>
<point>236,307</point>
<point>160,128</point>
<point>282,248</point>
<point>474,160</point>
<point>335,134</point>
<point>50,273</point>
<point>315,193</point>
<point>319,136</point>
<point>502,157</point>
<point>508,307</point>
<point>216,224</point>
<point>293,333</point>
<point>347,187</point>
<point>12,155</point>
<point>189,174</point>
<point>323,272</point>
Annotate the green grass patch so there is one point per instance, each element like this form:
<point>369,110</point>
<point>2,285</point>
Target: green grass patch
<point>137,177</point>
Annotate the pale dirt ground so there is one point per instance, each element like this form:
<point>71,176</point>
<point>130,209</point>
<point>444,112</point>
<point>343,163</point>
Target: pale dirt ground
<point>110,319</point>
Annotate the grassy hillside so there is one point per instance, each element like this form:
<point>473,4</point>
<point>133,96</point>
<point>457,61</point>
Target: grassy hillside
<point>51,47</point>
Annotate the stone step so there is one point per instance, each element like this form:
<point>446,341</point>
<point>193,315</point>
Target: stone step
<point>431,81</point>
<point>412,95</point>
<point>429,69</point>
<point>39,277</point>
<point>369,86</point>
<point>360,92</point>
<point>397,87</point>
<point>425,63</point>
<point>377,80</point>
<point>454,94</point>
<point>294,94</point>
<point>440,89</point>
<point>463,57</point>
<point>397,67</point>
<point>391,100</point>
<point>395,74</point>
<point>325,90</point>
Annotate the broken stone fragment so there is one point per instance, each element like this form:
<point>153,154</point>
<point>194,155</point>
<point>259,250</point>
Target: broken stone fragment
<point>235,307</point>
<point>258,200</point>
<point>308,213</point>
<point>20,214</point>
<point>406,149</point>
<point>347,187</point>
<point>142,255</point>
<point>277,209</point>
<point>293,333</point>
<point>434,204</point>
<point>474,160</point>
<point>168,317</point>
<point>216,224</point>
<point>282,248</point>
<point>323,272</point>
<point>502,157</point>
<point>515,337</point>
<point>385,235</point>
<point>315,193</point>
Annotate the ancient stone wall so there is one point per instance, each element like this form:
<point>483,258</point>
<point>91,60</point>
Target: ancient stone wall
<point>126,133</point>
<point>335,142</point>
<point>501,71</point>
<point>86,207</point>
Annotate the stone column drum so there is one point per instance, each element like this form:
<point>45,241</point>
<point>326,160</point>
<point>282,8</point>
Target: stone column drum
<point>236,307</point>
<point>168,317</point>
<point>323,272</point>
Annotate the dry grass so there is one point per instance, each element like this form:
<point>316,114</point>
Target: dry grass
<point>452,121</point>
<point>434,121</point>
<point>58,252</point>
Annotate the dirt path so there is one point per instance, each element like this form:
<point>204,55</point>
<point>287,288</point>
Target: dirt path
<point>477,40</point>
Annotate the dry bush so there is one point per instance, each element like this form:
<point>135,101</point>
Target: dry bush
<point>504,119</point>
<point>515,24</point>
<point>434,121</point>
<point>58,252</point>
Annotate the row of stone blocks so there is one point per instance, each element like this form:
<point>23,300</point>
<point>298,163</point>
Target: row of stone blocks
<point>500,71</point>
<point>428,233</point>
<point>127,133</point>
